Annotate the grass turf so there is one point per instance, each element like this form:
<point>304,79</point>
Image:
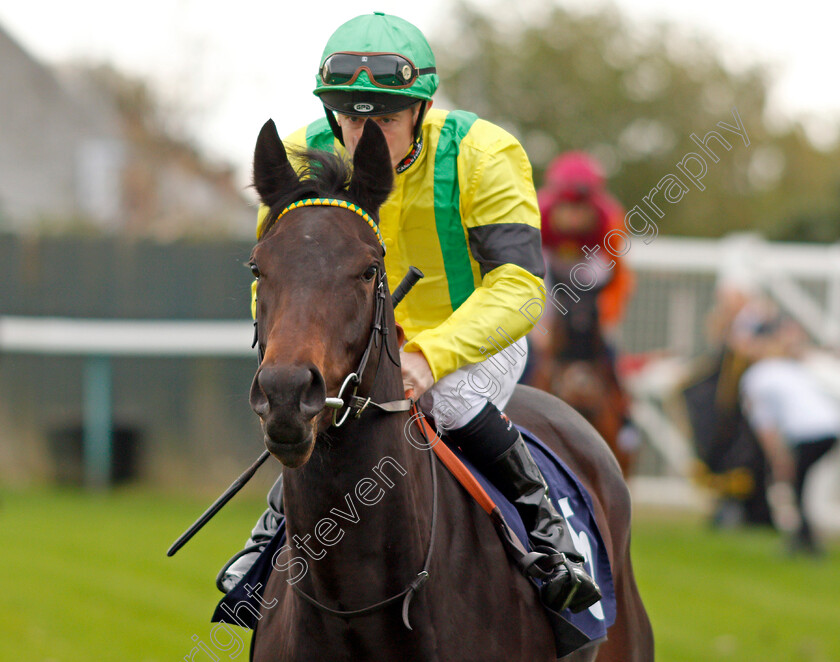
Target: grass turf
<point>86,579</point>
<point>717,595</point>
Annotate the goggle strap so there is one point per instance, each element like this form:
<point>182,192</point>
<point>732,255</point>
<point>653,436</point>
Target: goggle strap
<point>418,126</point>
<point>336,129</point>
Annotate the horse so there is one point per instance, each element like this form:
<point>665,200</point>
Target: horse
<point>325,325</point>
<point>576,364</point>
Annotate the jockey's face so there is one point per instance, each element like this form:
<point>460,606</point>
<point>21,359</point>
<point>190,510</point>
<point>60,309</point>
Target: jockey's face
<point>573,218</point>
<point>398,129</point>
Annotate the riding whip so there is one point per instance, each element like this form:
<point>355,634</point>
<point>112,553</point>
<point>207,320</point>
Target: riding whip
<point>228,494</point>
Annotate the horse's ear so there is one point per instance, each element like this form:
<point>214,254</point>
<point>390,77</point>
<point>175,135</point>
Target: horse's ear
<point>273,174</point>
<point>373,174</point>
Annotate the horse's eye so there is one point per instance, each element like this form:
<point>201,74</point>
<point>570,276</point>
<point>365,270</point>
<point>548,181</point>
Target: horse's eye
<point>370,272</point>
<point>254,270</point>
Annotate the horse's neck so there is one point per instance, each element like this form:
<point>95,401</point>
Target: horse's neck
<point>361,504</point>
<point>370,448</point>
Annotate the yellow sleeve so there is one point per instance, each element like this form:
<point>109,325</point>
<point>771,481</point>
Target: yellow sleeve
<point>493,310</point>
<point>501,218</point>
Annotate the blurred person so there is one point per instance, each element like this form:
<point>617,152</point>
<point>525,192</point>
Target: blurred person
<point>577,212</point>
<point>464,211</point>
<point>795,420</point>
<point>578,215</point>
<point>730,459</point>
<point>739,308</point>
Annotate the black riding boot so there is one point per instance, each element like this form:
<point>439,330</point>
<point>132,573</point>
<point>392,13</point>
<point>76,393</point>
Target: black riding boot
<point>495,445</point>
<point>519,478</point>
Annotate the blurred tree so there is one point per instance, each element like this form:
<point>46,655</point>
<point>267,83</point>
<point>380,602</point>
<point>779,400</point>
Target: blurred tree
<point>632,95</point>
<point>169,187</point>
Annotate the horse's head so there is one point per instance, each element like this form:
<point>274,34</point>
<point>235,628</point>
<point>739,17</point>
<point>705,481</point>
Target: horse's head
<point>578,285</point>
<point>318,268</point>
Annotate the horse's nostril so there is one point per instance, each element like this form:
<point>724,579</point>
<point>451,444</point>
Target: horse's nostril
<point>313,395</point>
<point>258,398</point>
<point>288,392</point>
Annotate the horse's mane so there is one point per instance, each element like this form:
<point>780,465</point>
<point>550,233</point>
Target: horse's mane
<point>320,175</point>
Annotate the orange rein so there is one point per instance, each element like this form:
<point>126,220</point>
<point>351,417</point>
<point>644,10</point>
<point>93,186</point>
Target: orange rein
<point>451,461</point>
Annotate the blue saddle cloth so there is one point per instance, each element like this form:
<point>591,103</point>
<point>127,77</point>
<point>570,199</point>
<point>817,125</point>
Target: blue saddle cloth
<point>571,631</point>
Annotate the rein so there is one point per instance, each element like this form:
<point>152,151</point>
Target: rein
<point>413,586</point>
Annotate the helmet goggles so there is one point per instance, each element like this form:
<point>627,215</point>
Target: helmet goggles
<point>387,70</point>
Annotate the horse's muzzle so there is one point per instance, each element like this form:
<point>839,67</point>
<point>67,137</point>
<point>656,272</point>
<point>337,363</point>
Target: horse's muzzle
<point>288,399</point>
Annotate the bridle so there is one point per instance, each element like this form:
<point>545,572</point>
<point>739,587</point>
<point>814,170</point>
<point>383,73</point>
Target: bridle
<point>347,402</point>
<point>350,402</point>
<point>346,398</point>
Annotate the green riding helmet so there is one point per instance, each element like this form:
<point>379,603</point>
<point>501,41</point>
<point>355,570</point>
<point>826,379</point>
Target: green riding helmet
<point>376,64</point>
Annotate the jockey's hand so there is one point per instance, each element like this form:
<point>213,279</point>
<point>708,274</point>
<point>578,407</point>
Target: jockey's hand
<point>416,374</point>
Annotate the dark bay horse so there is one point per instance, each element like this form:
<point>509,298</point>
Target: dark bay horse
<point>369,517</point>
<point>576,364</point>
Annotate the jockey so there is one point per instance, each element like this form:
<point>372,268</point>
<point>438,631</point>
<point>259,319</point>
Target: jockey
<point>464,211</point>
<point>577,214</point>
<point>580,221</point>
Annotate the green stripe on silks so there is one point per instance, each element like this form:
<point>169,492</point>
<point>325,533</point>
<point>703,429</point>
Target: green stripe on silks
<point>450,231</point>
<point>319,135</point>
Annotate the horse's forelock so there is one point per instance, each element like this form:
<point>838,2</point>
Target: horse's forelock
<point>322,175</point>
